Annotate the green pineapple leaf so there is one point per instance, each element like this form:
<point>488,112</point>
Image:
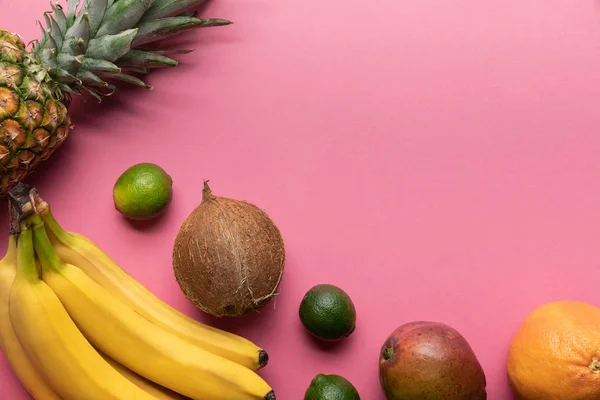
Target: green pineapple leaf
<point>91,64</point>
<point>165,27</point>
<point>47,19</point>
<point>48,56</point>
<point>74,46</point>
<point>71,10</point>
<point>80,29</point>
<point>123,14</point>
<point>48,43</point>
<point>42,40</point>
<point>111,47</point>
<point>93,92</point>
<point>189,14</point>
<point>65,77</point>
<point>169,8</point>
<point>59,17</point>
<point>93,40</point>
<point>169,52</point>
<point>125,78</point>
<point>96,10</point>
<point>55,31</point>
<point>67,89</point>
<point>145,59</point>
<point>89,78</point>
<point>69,62</point>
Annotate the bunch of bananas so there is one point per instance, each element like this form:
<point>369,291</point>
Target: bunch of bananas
<point>75,326</point>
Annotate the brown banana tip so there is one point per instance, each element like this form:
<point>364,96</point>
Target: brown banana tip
<point>270,396</point>
<point>263,358</point>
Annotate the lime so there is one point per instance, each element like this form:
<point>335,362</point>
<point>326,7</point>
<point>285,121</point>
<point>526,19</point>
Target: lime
<point>328,313</point>
<point>331,387</point>
<point>143,191</point>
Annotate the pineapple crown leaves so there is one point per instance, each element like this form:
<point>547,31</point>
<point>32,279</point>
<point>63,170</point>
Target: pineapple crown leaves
<point>88,45</point>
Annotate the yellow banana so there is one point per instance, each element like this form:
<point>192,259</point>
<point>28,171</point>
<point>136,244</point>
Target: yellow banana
<point>78,250</point>
<point>52,341</point>
<point>27,374</point>
<point>140,345</point>
<point>155,390</point>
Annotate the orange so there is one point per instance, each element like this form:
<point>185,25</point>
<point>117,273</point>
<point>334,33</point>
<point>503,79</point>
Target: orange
<point>555,354</point>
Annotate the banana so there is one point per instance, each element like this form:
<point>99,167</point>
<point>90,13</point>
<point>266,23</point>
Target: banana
<point>127,337</point>
<point>155,390</point>
<point>27,374</point>
<point>78,250</point>
<point>52,341</point>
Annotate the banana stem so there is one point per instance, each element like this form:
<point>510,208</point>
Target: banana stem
<point>26,267</point>
<point>44,250</point>
<point>52,224</point>
<point>19,206</point>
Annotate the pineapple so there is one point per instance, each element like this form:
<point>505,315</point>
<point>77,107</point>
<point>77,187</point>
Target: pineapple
<point>84,50</point>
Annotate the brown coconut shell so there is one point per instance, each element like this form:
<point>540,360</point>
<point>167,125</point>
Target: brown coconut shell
<point>228,256</point>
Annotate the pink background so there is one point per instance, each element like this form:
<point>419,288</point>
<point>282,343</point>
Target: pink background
<point>437,159</point>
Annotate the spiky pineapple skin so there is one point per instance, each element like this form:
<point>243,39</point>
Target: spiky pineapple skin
<point>33,123</point>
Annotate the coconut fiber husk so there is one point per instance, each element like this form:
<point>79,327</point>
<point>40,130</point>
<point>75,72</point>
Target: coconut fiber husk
<point>228,256</point>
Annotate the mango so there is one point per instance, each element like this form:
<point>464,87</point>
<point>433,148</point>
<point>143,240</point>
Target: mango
<point>424,360</point>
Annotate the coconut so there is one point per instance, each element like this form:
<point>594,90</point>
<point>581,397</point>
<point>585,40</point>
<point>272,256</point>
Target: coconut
<point>228,256</point>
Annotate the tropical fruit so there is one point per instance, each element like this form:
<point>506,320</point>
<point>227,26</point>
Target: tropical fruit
<point>228,256</point>
<point>82,50</point>
<point>331,387</point>
<point>79,250</point>
<point>86,331</point>
<point>143,191</point>
<point>430,360</point>
<point>328,313</point>
<point>52,341</point>
<point>555,353</point>
<point>141,345</point>
<point>10,347</point>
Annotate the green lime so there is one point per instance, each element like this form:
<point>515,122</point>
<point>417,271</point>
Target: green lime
<point>143,191</point>
<point>331,387</point>
<point>328,313</point>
